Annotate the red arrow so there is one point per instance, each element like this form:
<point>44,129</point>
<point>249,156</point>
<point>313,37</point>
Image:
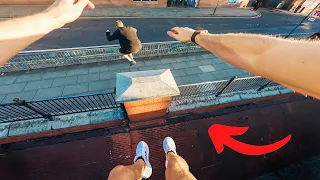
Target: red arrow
<point>221,135</point>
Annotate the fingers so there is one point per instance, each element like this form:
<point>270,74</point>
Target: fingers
<point>172,34</point>
<point>90,5</point>
<point>85,3</point>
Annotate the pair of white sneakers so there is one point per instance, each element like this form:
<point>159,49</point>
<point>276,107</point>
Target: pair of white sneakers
<point>142,151</point>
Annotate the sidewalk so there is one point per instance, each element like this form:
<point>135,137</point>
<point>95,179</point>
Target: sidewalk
<point>96,78</point>
<point>7,11</point>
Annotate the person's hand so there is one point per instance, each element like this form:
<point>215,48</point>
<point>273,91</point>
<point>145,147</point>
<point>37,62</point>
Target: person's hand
<point>107,31</point>
<point>182,34</point>
<point>66,11</point>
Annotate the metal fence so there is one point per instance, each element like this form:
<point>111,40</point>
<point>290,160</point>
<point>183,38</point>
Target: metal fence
<point>21,110</point>
<point>28,60</point>
<point>217,88</point>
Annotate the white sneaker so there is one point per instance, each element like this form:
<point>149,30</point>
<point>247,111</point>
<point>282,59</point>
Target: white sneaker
<point>142,151</point>
<point>169,146</point>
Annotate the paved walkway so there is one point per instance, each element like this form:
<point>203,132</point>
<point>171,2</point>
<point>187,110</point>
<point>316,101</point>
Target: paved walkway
<point>96,78</point>
<point>7,11</point>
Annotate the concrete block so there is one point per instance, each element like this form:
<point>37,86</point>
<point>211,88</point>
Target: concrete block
<point>179,81</point>
<point>164,66</point>
<point>285,91</point>
<point>4,130</point>
<point>180,65</point>
<point>65,81</point>
<point>194,63</point>
<point>29,126</point>
<point>55,74</point>
<point>48,93</point>
<point>181,105</point>
<point>217,61</point>
<point>115,67</point>
<point>221,66</point>
<point>221,75</point>
<point>27,95</point>
<point>207,68</point>
<point>168,61</point>
<point>234,72</point>
<point>152,62</point>
<point>181,59</point>
<point>147,68</point>
<point>78,71</point>
<point>7,79</point>
<point>206,77</point>
<point>196,57</point>
<point>178,73</point>
<point>106,115</point>
<point>207,56</point>
<point>97,69</point>
<point>137,65</point>
<point>192,79</point>
<point>206,101</point>
<point>12,88</point>
<point>193,70</point>
<point>207,61</point>
<point>101,85</point>
<point>250,94</point>
<point>71,120</point>
<point>270,91</point>
<point>34,85</point>
<point>229,97</point>
<point>29,77</point>
<point>76,89</point>
<point>88,78</point>
<point>108,75</point>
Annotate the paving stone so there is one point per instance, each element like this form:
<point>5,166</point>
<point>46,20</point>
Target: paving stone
<point>164,66</point>
<point>206,77</point>
<point>34,85</point>
<point>221,75</point>
<point>167,61</point>
<point>108,75</point>
<point>134,69</point>
<point>65,81</point>
<point>114,67</point>
<point>88,78</point>
<point>234,72</point>
<point>178,73</point>
<point>180,65</point>
<point>2,97</point>
<point>207,68</point>
<point>221,66</point>
<point>138,64</point>
<point>96,69</point>
<point>207,61</point>
<point>192,79</point>
<point>100,85</point>
<point>7,79</point>
<point>193,70</point>
<point>245,75</point>
<point>197,57</point>
<point>28,96</point>
<point>179,81</point>
<point>74,72</point>
<point>48,93</point>
<point>152,62</point>
<point>194,63</point>
<point>207,56</point>
<point>217,61</point>
<point>230,66</point>
<point>55,74</point>
<point>182,59</point>
<point>29,77</point>
<point>76,89</point>
<point>12,88</point>
<point>147,68</point>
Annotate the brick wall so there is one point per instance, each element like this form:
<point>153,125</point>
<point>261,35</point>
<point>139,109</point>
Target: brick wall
<point>159,3</point>
<point>212,3</point>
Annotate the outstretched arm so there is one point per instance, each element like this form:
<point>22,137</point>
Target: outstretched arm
<point>291,63</point>
<point>17,34</point>
<point>114,36</point>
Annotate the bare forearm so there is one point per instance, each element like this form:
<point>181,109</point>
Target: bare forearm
<point>290,63</point>
<point>17,34</point>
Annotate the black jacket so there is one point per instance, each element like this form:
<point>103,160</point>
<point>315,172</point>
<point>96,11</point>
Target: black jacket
<point>128,38</point>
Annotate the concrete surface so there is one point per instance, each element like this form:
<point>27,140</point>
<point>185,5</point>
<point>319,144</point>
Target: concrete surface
<point>133,86</point>
<point>7,11</point>
<point>96,78</point>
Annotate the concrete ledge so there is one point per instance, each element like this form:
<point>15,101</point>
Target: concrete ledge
<point>229,97</point>
<point>106,115</point>
<point>30,126</point>
<point>4,129</point>
<point>71,120</point>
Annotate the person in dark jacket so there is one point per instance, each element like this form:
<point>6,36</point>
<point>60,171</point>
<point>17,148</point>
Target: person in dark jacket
<point>128,40</point>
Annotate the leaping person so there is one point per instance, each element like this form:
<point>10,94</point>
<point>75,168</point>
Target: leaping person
<point>128,40</point>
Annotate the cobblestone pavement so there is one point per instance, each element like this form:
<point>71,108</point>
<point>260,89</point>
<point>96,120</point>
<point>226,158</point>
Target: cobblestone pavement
<point>95,78</point>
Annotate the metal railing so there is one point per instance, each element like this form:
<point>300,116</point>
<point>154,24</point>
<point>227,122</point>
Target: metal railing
<point>217,88</point>
<point>22,110</point>
<point>28,60</point>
